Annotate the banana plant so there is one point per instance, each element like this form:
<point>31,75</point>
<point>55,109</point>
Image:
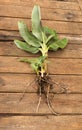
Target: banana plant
<point>41,39</point>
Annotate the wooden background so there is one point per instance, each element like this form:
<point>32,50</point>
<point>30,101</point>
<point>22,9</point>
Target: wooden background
<point>66,17</point>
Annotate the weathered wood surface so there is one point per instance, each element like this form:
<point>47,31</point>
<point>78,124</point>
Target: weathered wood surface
<point>41,123</point>
<point>57,14</point>
<point>62,103</point>
<point>66,17</point>
<point>43,3</point>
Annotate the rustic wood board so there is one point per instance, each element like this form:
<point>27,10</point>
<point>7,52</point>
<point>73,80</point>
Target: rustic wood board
<point>62,103</point>
<point>41,123</point>
<point>43,3</point>
<point>66,17</point>
<point>51,14</point>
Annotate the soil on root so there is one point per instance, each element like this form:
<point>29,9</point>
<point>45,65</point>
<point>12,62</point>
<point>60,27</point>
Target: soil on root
<point>45,87</point>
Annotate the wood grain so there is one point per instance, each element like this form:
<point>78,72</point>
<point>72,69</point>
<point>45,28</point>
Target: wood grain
<point>61,66</point>
<point>62,103</point>
<point>43,3</point>
<point>49,14</point>
<point>41,122</point>
<point>61,27</point>
<point>65,68</point>
<point>21,82</point>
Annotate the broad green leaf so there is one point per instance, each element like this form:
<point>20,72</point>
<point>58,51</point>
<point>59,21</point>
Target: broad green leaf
<point>51,32</point>
<point>58,44</point>
<point>27,35</point>
<point>24,46</point>
<point>62,43</point>
<point>36,22</point>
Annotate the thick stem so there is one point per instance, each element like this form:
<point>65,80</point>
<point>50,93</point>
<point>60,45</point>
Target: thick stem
<point>44,68</point>
<point>44,51</point>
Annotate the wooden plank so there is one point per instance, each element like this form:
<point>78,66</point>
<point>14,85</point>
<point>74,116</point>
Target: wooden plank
<point>61,66</point>
<point>46,4</point>
<point>41,123</point>
<point>19,82</point>
<point>62,103</point>
<point>11,35</point>
<point>49,14</point>
<point>61,27</point>
<point>71,51</point>
<point>80,4</point>
<point>8,35</point>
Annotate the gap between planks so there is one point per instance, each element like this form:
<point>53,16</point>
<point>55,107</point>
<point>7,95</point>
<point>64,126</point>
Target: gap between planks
<point>4,115</point>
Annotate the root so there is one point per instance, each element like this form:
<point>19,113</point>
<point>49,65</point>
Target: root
<point>50,107</point>
<point>40,93</point>
<point>45,85</point>
<point>38,104</point>
<point>29,84</point>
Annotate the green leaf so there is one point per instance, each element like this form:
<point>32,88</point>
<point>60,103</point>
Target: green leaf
<point>27,35</point>
<point>53,47</point>
<point>36,22</point>
<point>62,43</point>
<point>44,38</point>
<point>49,38</point>
<point>26,60</point>
<point>58,44</point>
<point>35,67</point>
<point>40,60</point>
<point>51,32</point>
<point>35,62</point>
<point>24,46</point>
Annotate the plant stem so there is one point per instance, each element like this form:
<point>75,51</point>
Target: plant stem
<point>43,68</point>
